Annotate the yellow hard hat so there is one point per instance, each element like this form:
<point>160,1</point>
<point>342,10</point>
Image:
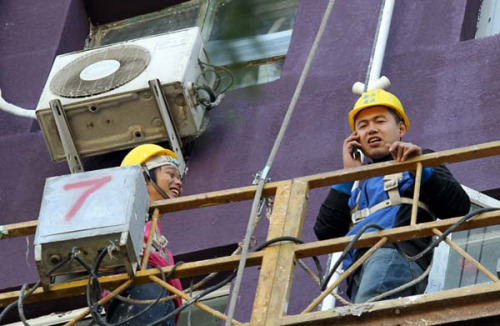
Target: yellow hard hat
<point>142,153</point>
<point>378,97</point>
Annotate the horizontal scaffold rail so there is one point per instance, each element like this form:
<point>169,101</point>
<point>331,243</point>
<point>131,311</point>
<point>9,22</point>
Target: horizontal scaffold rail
<point>287,220</point>
<point>222,197</point>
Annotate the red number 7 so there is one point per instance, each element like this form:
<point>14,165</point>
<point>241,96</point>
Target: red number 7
<point>92,185</point>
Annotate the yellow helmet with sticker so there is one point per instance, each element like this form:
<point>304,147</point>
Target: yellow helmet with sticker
<point>378,97</point>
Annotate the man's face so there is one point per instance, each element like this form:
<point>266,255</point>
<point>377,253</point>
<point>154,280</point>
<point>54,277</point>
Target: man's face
<point>169,180</point>
<point>377,130</point>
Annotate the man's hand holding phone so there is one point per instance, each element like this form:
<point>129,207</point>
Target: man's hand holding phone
<point>350,154</point>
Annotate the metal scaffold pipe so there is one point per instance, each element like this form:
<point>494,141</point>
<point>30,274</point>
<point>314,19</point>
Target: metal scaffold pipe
<point>270,160</point>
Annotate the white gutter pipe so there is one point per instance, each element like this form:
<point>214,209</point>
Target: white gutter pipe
<point>373,81</point>
<point>16,110</point>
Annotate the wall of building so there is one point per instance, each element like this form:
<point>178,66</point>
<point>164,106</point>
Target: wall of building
<point>448,87</point>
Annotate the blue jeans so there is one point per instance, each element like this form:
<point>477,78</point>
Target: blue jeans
<point>385,270</point>
<point>118,310</point>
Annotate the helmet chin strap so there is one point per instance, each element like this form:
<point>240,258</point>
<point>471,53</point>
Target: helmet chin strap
<point>155,185</point>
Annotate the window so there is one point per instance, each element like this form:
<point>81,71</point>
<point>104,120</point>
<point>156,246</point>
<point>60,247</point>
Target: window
<point>248,37</point>
<point>488,22</point>
<point>450,270</point>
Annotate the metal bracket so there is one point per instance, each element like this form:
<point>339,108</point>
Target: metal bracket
<point>261,175</point>
<point>268,203</point>
<point>166,114</point>
<point>72,156</point>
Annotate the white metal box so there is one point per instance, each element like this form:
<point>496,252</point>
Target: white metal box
<point>107,99</point>
<point>88,211</point>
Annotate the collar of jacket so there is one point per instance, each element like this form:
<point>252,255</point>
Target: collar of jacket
<point>383,159</point>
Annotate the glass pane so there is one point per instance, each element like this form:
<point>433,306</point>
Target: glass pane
<point>173,18</point>
<point>254,74</point>
<point>250,37</point>
<point>483,245</point>
<point>234,19</point>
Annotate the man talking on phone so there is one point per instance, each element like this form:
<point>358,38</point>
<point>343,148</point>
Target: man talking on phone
<point>378,123</point>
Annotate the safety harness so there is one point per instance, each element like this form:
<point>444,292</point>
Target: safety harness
<point>391,186</point>
<point>159,246</point>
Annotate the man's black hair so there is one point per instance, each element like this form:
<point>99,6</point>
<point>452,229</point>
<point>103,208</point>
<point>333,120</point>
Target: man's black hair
<point>396,115</point>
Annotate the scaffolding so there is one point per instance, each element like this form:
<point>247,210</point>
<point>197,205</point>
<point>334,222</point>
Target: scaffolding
<point>277,261</point>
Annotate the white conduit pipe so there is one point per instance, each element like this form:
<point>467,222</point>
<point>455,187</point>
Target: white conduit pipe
<point>373,81</point>
<point>16,110</point>
<point>377,58</point>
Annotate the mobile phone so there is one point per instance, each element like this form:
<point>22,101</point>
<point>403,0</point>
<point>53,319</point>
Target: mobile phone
<point>355,152</point>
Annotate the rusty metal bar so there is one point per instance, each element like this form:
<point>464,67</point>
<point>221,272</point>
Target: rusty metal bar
<point>416,194</point>
<point>203,267</point>
<point>184,296</point>
<point>344,275</point>
<point>152,231</point>
<point>390,167</point>
<point>104,300</point>
<point>315,181</point>
<point>469,258</point>
<point>402,233</point>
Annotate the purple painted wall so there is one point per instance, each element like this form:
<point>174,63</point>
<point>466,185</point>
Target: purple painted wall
<point>448,87</point>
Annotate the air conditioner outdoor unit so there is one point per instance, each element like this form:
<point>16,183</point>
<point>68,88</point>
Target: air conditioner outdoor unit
<point>107,99</point>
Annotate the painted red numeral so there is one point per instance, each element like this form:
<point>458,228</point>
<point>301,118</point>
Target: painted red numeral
<point>92,186</point>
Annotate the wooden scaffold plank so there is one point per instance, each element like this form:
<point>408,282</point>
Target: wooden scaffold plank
<point>278,263</point>
<point>75,288</point>
<point>464,304</point>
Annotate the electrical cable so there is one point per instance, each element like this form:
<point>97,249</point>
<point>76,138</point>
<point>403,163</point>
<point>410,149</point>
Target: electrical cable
<point>164,299</point>
<point>308,271</point>
<point>195,298</point>
<point>402,287</point>
<point>227,280</point>
<point>438,240</point>
<point>215,95</point>
<point>92,298</point>
<point>230,84</point>
<point>217,75</point>
<point>20,309</point>
<point>295,240</point>
<point>20,302</point>
<point>209,91</point>
<point>202,282</point>
<point>6,310</point>
<point>398,247</point>
<point>346,251</point>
